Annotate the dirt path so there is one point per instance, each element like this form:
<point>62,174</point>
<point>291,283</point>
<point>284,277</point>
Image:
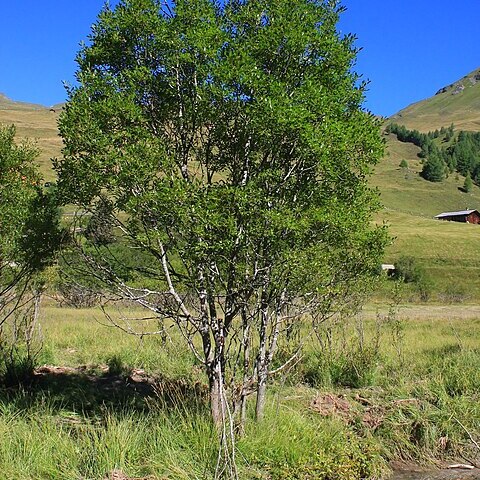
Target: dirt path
<point>423,312</point>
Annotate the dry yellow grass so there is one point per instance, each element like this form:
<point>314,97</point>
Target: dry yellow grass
<point>41,127</point>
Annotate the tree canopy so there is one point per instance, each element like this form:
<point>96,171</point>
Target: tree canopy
<point>234,151</point>
<point>28,216</point>
<point>29,235</point>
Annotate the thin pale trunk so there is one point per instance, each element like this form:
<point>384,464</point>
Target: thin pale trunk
<point>216,396</point>
<point>261,395</point>
<point>262,368</point>
<point>246,345</point>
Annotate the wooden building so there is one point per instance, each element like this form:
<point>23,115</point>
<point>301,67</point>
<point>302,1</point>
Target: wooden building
<point>463,216</point>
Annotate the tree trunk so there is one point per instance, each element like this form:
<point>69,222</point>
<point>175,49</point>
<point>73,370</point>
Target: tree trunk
<point>261,393</point>
<point>216,395</point>
<point>246,343</point>
<point>262,367</point>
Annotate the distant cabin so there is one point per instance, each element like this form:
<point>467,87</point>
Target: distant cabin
<point>463,216</point>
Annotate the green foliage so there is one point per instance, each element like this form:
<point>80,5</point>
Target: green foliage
<point>468,184</point>
<point>29,219</point>
<point>408,269</point>
<point>29,237</point>
<point>412,136</point>
<point>463,155</point>
<point>231,143</point>
<point>403,164</point>
<point>433,169</point>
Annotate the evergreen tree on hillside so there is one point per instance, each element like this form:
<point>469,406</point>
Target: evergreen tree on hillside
<point>468,184</point>
<point>433,169</point>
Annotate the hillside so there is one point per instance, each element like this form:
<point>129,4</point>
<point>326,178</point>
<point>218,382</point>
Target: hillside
<point>458,103</point>
<point>37,123</point>
<point>9,104</point>
<point>447,250</point>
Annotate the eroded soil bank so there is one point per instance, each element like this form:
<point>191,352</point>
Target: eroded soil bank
<point>445,474</point>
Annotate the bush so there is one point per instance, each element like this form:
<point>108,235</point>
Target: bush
<point>403,164</point>
<point>408,270</point>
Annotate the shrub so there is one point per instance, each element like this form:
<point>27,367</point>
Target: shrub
<point>408,270</point>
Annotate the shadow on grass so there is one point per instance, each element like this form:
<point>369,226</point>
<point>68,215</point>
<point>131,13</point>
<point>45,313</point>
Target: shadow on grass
<point>92,390</point>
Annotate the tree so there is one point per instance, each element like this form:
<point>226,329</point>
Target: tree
<point>468,184</point>
<point>233,149</point>
<point>433,169</point>
<point>29,234</point>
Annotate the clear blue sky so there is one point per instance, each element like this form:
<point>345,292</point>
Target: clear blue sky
<point>411,48</point>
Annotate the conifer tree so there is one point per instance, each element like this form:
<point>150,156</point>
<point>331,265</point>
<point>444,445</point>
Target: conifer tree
<point>468,184</point>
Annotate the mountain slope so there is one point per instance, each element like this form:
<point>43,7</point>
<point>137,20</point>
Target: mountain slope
<point>9,104</point>
<point>458,103</point>
<point>447,250</point>
<point>36,123</point>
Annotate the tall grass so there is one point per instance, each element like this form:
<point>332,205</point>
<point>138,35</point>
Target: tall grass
<point>411,396</point>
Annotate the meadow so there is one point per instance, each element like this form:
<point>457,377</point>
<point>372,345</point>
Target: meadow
<point>390,384</point>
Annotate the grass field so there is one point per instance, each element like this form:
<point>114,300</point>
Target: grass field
<point>137,406</point>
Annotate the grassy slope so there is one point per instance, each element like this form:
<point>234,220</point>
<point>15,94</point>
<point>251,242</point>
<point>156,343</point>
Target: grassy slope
<point>462,109</point>
<point>36,123</point>
<point>448,250</point>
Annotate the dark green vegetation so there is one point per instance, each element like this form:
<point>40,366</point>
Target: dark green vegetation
<point>460,154</point>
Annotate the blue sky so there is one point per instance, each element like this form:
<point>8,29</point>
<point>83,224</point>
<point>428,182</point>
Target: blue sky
<point>410,48</point>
